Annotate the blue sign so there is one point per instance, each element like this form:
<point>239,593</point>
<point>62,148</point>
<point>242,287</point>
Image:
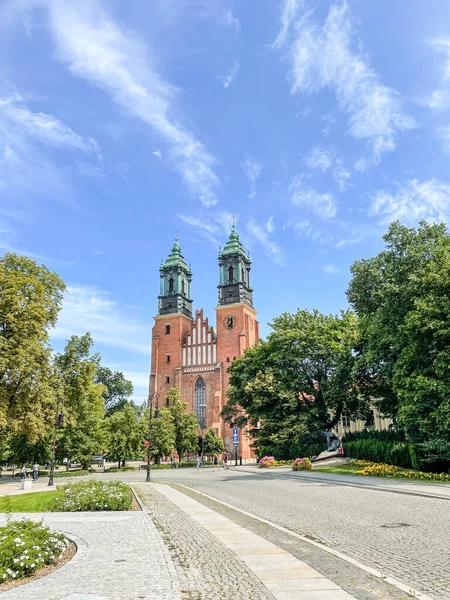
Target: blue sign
<point>235,431</point>
<point>235,438</point>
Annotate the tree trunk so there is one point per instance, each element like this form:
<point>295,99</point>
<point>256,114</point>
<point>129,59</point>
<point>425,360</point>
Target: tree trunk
<point>118,464</point>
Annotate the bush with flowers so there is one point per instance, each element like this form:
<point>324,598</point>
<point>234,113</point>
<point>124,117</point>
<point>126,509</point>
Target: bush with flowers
<point>93,496</point>
<point>370,469</point>
<point>25,547</point>
<point>302,464</point>
<point>266,462</point>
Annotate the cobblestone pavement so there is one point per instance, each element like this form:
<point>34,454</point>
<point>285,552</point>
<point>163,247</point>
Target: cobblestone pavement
<point>121,556</point>
<point>206,569</point>
<point>403,536</point>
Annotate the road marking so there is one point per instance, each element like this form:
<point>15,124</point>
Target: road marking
<point>398,584</point>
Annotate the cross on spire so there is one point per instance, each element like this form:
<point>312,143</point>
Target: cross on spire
<point>176,235</point>
<point>233,221</point>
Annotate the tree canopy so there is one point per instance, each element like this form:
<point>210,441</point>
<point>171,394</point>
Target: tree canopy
<point>185,424</point>
<point>297,383</point>
<point>402,299</point>
<point>117,389</point>
<point>30,299</point>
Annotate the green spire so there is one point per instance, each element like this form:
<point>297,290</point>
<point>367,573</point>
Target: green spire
<point>175,258</point>
<point>233,246</point>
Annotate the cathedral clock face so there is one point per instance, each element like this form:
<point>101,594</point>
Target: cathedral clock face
<point>229,322</point>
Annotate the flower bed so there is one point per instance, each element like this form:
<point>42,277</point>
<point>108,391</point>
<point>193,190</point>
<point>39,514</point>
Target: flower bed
<point>266,462</point>
<point>25,547</point>
<point>370,469</point>
<point>302,464</point>
<point>119,469</point>
<point>93,496</point>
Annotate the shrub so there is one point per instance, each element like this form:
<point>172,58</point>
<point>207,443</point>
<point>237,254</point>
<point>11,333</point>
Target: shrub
<point>377,450</point>
<point>26,546</point>
<point>93,495</point>
<point>266,462</point>
<point>370,469</point>
<point>302,464</point>
<point>77,473</point>
<point>119,469</point>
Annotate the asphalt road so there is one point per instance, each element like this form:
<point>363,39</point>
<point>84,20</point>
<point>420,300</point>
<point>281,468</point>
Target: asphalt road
<point>404,535</point>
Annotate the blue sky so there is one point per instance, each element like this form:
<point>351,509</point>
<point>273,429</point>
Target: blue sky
<point>314,123</point>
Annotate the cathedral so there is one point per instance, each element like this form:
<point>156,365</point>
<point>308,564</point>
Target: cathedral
<point>192,355</point>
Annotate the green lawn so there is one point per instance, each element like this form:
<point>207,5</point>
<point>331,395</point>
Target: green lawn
<point>32,502</point>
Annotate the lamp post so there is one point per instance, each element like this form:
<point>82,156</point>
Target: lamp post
<point>150,417</point>
<point>59,420</point>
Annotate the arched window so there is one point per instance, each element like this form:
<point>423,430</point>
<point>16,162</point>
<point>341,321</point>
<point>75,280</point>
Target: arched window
<point>200,402</point>
<point>242,274</point>
<point>230,275</point>
<point>171,284</point>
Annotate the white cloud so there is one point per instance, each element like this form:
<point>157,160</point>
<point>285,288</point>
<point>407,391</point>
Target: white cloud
<point>305,230</point>
<point>331,269</point>
<point>440,98</point>
<point>320,204</point>
<point>227,80</point>
<point>86,308</point>
<point>415,200</point>
<point>157,153</point>
<point>327,57</point>
<point>289,14</point>
<point>320,159</point>
<point>269,225</point>
<point>252,169</point>
<point>211,226</point>
<point>341,175</point>
<point>269,248</point>
<point>140,381</point>
<point>342,243</point>
<point>96,49</point>
<point>27,140</point>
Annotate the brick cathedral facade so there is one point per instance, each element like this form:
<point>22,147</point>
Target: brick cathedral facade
<point>192,355</point>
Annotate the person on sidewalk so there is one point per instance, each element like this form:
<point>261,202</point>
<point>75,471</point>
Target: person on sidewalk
<point>199,462</point>
<point>216,463</point>
<point>35,471</point>
<point>23,472</point>
<point>225,461</point>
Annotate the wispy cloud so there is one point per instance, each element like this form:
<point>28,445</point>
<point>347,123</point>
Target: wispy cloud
<point>328,57</point>
<point>306,230</point>
<point>212,226</point>
<point>415,200</point>
<point>262,237</point>
<point>96,49</point>
<point>344,242</point>
<point>252,169</point>
<point>270,225</point>
<point>27,141</point>
<point>440,97</point>
<point>320,204</point>
<point>330,269</point>
<point>320,159</point>
<point>227,80</point>
<point>157,153</point>
<point>86,308</point>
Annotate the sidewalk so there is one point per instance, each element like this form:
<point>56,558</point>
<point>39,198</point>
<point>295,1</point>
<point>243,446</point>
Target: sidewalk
<point>120,556</point>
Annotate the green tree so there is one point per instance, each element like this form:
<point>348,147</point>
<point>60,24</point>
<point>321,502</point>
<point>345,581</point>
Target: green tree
<point>212,443</point>
<point>163,433</point>
<point>124,434</point>
<point>297,383</point>
<point>185,424</point>
<point>117,389</point>
<point>401,297</point>
<point>30,299</point>
<point>81,400</point>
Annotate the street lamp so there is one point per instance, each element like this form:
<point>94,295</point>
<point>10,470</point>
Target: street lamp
<point>59,420</point>
<point>150,417</point>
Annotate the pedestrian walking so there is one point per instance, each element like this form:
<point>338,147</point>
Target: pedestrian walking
<point>216,463</point>
<point>199,462</point>
<point>23,472</point>
<point>225,461</point>
<point>35,472</point>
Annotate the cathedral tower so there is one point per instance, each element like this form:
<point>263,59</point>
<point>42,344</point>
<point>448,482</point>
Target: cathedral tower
<point>171,324</point>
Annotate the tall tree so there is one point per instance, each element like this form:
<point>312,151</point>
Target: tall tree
<point>297,383</point>
<point>117,389</point>
<point>30,299</point>
<point>163,433</point>
<point>81,400</point>
<point>401,297</point>
<point>185,424</point>
<point>212,443</point>
<point>124,435</point>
